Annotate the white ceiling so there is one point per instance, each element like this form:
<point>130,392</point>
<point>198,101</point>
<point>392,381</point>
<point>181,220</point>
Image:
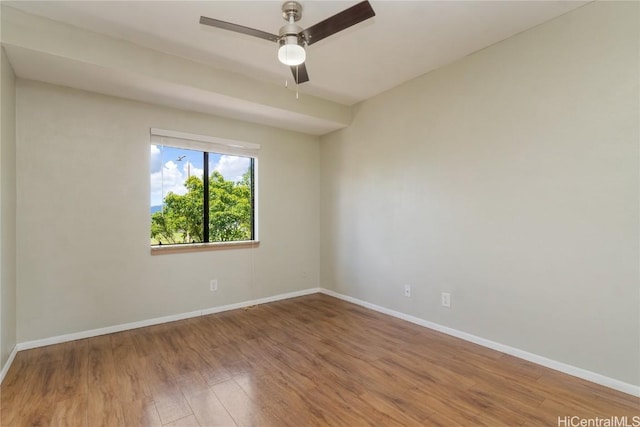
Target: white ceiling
<point>404,40</point>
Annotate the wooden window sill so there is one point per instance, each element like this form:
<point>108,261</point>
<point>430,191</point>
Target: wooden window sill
<point>199,247</point>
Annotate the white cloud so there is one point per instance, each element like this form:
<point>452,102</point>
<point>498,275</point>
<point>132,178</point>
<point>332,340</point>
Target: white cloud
<point>232,168</point>
<point>156,159</point>
<point>171,178</point>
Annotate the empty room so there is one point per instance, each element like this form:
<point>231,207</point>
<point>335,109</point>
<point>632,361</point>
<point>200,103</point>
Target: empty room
<point>320,213</point>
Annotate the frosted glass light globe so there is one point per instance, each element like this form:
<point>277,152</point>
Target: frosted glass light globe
<point>291,54</point>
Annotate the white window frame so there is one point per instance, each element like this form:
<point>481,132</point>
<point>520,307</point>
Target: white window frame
<point>216,145</point>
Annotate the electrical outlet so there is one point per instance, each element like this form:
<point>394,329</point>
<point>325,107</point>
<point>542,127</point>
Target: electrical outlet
<point>445,299</point>
<point>407,291</point>
<point>213,285</point>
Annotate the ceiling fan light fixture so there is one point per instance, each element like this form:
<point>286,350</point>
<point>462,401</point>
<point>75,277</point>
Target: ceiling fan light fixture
<point>291,52</point>
<point>292,39</point>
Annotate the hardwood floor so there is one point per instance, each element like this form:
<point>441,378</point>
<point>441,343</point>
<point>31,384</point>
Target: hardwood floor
<point>308,361</point>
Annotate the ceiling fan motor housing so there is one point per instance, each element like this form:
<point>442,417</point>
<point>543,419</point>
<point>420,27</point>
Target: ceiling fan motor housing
<point>290,32</point>
<point>291,9</point>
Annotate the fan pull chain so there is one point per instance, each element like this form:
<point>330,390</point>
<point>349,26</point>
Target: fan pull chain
<point>286,84</point>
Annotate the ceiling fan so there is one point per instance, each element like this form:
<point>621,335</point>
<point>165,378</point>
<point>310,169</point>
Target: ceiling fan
<point>292,39</point>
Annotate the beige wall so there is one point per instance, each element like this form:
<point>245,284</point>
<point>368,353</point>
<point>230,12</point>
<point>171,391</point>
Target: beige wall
<point>7,209</point>
<point>510,179</point>
<point>83,215</point>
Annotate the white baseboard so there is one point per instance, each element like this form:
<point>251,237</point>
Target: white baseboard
<point>265,300</point>
<point>9,362</point>
<point>622,386</point>
<point>158,320</point>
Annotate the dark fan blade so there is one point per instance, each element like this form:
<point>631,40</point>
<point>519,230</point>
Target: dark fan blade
<point>300,73</point>
<point>238,28</point>
<point>348,17</point>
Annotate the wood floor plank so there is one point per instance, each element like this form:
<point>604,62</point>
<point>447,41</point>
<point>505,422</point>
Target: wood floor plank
<point>18,388</point>
<point>141,413</point>
<point>278,399</point>
<point>71,412</point>
<point>172,406</point>
<point>307,361</point>
<point>130,369</point>
<point>209,411</point>
<point>72,375</point>
<point>560,384</point>
<point>189,421</point>
<point>244,410</point>
<point>103,409</point>
<point>212,369</point>
<point>450,418</point>
<point>103,391</point>
<point>383,411</point>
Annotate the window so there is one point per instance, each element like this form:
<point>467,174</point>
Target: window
<point>203,189</point>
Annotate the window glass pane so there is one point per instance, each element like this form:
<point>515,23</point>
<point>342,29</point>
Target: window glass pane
<point>176,195</point>
<point>178,204</point>
<point>230,198</point>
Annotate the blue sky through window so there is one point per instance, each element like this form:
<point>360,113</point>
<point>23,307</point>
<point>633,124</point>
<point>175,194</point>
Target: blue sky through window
<point>171,166</point>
